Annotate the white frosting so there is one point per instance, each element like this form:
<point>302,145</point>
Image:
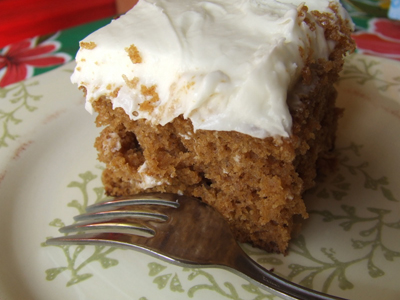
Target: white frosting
<point>147,181</point>
<point>225,64</point>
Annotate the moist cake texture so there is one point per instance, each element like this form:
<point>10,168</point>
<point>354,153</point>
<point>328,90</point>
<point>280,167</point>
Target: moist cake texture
<point>229,101</point>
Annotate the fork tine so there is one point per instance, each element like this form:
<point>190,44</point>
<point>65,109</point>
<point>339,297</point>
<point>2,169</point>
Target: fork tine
<point>114,214</point>
<point>124,240</point>
<point>114,226</point>
<point>146,199</point>
<point>103,238</point>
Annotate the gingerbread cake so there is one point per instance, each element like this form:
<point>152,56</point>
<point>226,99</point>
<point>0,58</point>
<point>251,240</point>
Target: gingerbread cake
<point>230,101</point>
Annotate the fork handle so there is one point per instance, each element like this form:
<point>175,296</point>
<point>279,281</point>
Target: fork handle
<point>274,284</point>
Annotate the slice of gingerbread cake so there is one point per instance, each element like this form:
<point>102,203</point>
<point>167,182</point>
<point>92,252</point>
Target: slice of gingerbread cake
<point>231,101</point>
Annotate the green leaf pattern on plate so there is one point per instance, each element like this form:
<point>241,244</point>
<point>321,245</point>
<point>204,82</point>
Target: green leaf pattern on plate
<point>99,253</point>
<point>364,71</point>
<point>370,239</point>
<point>205,281</point>
<point>338,187</point>
<point>19,98</point>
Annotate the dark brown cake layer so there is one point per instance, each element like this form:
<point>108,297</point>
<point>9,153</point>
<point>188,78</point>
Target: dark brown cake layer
<point>257,184</point>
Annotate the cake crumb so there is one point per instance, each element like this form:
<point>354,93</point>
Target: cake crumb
<point>134,54</point>
<point>151,96</point>
<point>132,84</point>
<point>190,85</point>
<point>88,45</point>
<point>114,93</point>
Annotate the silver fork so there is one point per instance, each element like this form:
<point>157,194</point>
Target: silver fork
<point>178,229</point>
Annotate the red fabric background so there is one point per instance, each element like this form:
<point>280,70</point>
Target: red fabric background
<point>21,19</point>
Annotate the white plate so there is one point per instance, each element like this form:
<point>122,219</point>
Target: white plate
<point>349,247</point>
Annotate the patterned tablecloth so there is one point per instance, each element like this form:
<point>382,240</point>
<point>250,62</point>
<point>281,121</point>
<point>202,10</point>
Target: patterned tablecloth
<point>375,34</point>
<point>49,172</point>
